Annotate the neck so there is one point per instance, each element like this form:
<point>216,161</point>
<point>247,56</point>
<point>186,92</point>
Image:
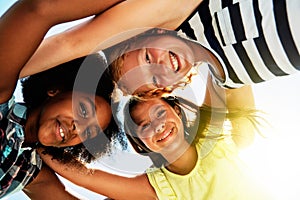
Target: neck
<point>185,163</point>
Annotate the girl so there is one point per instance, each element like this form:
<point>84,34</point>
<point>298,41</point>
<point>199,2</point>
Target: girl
<point>159,60</point>
<point>88,138</point>
<point>37,88</point>
<point>53,122</point>
<point>201,166</point>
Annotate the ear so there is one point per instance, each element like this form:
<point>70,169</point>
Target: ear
<point>53,92</point>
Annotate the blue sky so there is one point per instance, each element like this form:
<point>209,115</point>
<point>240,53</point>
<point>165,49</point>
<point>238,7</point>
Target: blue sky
<point>274,159</point>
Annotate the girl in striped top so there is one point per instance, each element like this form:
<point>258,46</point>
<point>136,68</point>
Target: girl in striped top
<point>256,39</point>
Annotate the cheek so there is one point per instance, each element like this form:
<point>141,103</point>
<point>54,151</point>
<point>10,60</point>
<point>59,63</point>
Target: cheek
<point>136,80</point>
<point>74,141</point>
<point>104,113</point>
<point>145,134</point>
<point>52,111</point>
<point>44,135</point>
<point>186,67</point>
<point>148,142</point>
<point>47,110</point>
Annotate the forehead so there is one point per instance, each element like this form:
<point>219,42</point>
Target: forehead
<point>149,106</point>
<point>154,41</point>
<point>130,60</point>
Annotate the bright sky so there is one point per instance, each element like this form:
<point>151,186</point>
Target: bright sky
<point>275,159</point>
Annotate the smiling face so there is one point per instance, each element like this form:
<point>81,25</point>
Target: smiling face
<point>159,126</point>
<point>70,118</point>
<point>158,61</point>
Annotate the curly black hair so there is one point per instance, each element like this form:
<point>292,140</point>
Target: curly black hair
<point>63,77</point>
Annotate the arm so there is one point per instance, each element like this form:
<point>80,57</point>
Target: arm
<point>46,184</point>
<point>110,185</point>
<point>85,38</point>
<point>23,27</point>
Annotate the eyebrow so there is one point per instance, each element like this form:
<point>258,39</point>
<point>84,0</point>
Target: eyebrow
<point>157,107</point>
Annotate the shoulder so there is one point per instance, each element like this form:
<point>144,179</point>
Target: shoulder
<point>5,106</point>
<point>160,183</point>
<point>17,113</point>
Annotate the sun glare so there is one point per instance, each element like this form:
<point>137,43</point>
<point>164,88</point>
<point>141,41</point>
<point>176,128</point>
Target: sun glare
<point>274,160</point>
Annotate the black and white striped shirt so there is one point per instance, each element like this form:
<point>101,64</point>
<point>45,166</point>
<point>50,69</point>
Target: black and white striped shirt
<point>256,39</point>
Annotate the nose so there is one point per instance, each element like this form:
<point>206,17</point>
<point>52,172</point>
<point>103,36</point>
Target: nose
<point>161,56</point>
<point>79,126</point>
<point>74,128</point>
<point>160,127</point>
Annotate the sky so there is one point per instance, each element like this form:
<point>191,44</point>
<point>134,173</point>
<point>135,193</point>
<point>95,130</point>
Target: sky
<point>273,159</point>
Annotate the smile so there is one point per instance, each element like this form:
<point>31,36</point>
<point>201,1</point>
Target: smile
<point>165,135</point>
<point>61,132</point>
<point>174,61</point>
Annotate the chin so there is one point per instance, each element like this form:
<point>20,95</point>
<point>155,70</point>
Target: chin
<point>46,143</point>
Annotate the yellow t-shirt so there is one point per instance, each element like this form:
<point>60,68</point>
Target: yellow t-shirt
<point>219,174</point>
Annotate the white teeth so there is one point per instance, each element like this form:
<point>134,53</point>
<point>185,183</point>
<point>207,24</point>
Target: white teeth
<point>61,131</point>
<point>174,61</point>
<point>166,135</point>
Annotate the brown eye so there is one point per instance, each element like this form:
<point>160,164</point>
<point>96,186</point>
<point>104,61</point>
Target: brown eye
<point>161,113</point>
<point>73,127</point>
<point>154,80</point>
<point>145,126</point>
<point>147,57</point>
<point>83,110</point>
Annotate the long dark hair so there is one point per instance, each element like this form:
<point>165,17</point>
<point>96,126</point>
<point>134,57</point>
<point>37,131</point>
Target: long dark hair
<point>62,77</point>
<point>194,129</point>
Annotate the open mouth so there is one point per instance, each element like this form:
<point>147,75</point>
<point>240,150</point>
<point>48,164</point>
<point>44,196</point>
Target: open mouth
<point>62,134</point>
<point>174,61</point>
<point>165,135</point>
